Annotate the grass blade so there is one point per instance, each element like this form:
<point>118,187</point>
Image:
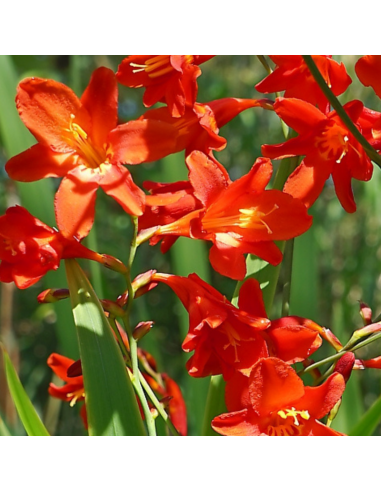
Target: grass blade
<point>27,413</point>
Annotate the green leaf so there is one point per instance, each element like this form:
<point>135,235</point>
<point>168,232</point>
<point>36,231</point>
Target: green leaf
<point>369,422</point>
<point>4,431</point>
<point>111,405</point>
<point>25,409</point>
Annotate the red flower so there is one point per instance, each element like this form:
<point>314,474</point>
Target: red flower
<point>294,77</point>
<point>30,248</point>
<point>278,404</point>
<point>198,127</point>
<point>292,339</point>
<point>167,78</point>
<point>368,70</point>
<point>80,141</point>
<point>329,147</point>
<point>224,339</point>
<point>74,390</point>
<point>240,217</point>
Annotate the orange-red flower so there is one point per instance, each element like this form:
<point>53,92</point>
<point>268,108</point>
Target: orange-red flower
<point>368,70</point>
<point>238,218</point>
<point>329,149</point>
<point>292,338</point>
<point>294,77</point>
<point>73,390</point>
<point>167,78</point>
<point>198,127</point>
<point>29,248</point>
<point>278,404</point>
<point>79,140</point>
<point>224,339</point>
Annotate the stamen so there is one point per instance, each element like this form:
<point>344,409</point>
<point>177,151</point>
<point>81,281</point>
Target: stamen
<point>284,414</point>
<point>80,141</point>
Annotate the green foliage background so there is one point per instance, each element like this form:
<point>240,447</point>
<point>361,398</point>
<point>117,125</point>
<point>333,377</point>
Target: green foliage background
<point>337,263</point>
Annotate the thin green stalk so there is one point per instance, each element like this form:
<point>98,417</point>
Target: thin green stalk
<point>372,153</point>
<point>159,407</point>
<point>335,357</point>
<point>143,382</point>
<point>263,61</point>
<point>133,343</point>
<point>288,258</point>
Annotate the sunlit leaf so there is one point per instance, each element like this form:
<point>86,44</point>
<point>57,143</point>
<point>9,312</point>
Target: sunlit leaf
<point>111,405</point>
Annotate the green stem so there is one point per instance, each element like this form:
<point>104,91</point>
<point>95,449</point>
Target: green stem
<point>133,343</point>
<point>335,357</point>
<point>159,407</point>
<point>288,258</point>
<point>215,404</point>
<point>372,153</point>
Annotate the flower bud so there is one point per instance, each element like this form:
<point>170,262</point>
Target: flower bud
<point>53,295</point>
<point>114,264</point>
<point>113,308</point>
<point>366,313</point>
<point>345,364</point>
<point>142,329</point>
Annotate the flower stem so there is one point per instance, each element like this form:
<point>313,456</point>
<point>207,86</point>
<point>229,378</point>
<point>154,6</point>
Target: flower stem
<point>288,258</point>
<point>335,357</point>
<point>372,153</point>
<point>159,407</point>
<point>133,343</point>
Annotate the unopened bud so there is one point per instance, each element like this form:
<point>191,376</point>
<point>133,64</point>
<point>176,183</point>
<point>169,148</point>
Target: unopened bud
<point>141,285</point>
<point>142,329</point>
<point>114,264</point>
<point>345,364</point>
<point>53,295</point>
<point>332,339</point>
<point>366,313</point>
<point>113,308</point>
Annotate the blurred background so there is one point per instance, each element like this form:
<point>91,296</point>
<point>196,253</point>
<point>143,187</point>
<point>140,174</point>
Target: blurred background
<point>337,263</point>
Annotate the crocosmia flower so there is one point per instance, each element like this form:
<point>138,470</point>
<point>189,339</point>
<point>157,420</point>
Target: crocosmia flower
<point>238,218</point>
<point>80,141</point>
<point>29,248</point>
<point>167,78</point>
<point>294,77</point>
<point>198,128</point>
<point>73,390</point>
<point>224,339</point>
<point>329,149</point>
<point>278,404</point>
<point>292,338</point>
<point>368,70</point>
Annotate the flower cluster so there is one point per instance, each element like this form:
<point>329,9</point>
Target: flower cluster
<point>82,141</point>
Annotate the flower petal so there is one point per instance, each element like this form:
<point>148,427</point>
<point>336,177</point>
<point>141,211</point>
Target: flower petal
<point>207,177</point>
<point>101,101</point>
<point>141,141</point>
<point>39,162</point>
<point>46,107</point>
<point>117,182</point>
<point>236,424</point>
<point>274,385</point>
<point>307,182</point>
<point>75,203</point>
